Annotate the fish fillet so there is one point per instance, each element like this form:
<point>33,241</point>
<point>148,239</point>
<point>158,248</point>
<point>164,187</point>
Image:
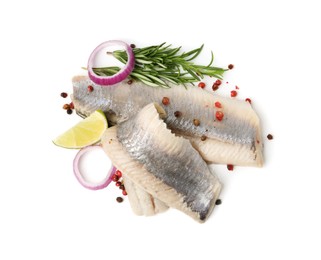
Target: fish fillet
<point>141,202</point>
<point>161,163</point>
<point>234,140</point>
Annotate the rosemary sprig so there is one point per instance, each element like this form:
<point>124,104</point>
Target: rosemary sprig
<point>157,65</point>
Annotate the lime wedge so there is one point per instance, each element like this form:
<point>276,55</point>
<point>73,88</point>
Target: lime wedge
<point>86,132</point>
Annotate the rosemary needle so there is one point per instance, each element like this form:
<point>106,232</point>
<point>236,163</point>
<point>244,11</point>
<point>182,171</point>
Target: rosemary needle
<point>158,65</point>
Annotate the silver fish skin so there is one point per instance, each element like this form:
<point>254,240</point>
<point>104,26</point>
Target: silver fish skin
<point>164,165</point>
<point>234,140</point>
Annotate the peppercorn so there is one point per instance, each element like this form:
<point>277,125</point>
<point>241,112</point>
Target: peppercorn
<point>219,115</point>
<point>218,104</point>
<point>122,187</point>
<point>115,178</point>
<point>230,167</point>
<point>71,105</point>
<point>118,173</point>
<point>248,100</point>
<point>63,94</point>
<point>119,199</point>
<point>90,88</point>
<point>201,85</point>
<point>69,111</point>
<point>269,136</point>
<point>129,82</point>
<point>177,113</point>
<point>231,66</point>
<point>124,192</point>
<point>196,122</point>
<point>215,87</point>
<point>118,183</point>
<point>66,106</point>
<point>233,93</point>
<point>218,82</point>
<point>203,137</point>
<point>165,101</point>
<point>218,202</point>
<point>133,46</point>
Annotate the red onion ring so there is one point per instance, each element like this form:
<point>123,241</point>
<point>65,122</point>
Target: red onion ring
<point>87,184</point>
<point>118,77</point>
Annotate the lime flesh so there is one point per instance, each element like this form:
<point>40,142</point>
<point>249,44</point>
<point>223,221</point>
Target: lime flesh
<point>86,132</point>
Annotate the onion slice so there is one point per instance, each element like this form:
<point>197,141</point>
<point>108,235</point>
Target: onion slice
<point>119,76</point>
<point>87,184</point>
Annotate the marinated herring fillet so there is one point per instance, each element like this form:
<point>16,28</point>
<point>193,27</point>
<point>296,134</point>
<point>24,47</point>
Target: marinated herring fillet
<point>141,202</point>
<point>234,140</point>
<point>162,164</point>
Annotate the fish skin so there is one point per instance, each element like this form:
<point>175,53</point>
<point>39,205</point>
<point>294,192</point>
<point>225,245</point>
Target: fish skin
<point>234,140</point>
<point>164,165</point>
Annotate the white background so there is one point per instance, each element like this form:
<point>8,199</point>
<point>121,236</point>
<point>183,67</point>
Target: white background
<point>267,213</point>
